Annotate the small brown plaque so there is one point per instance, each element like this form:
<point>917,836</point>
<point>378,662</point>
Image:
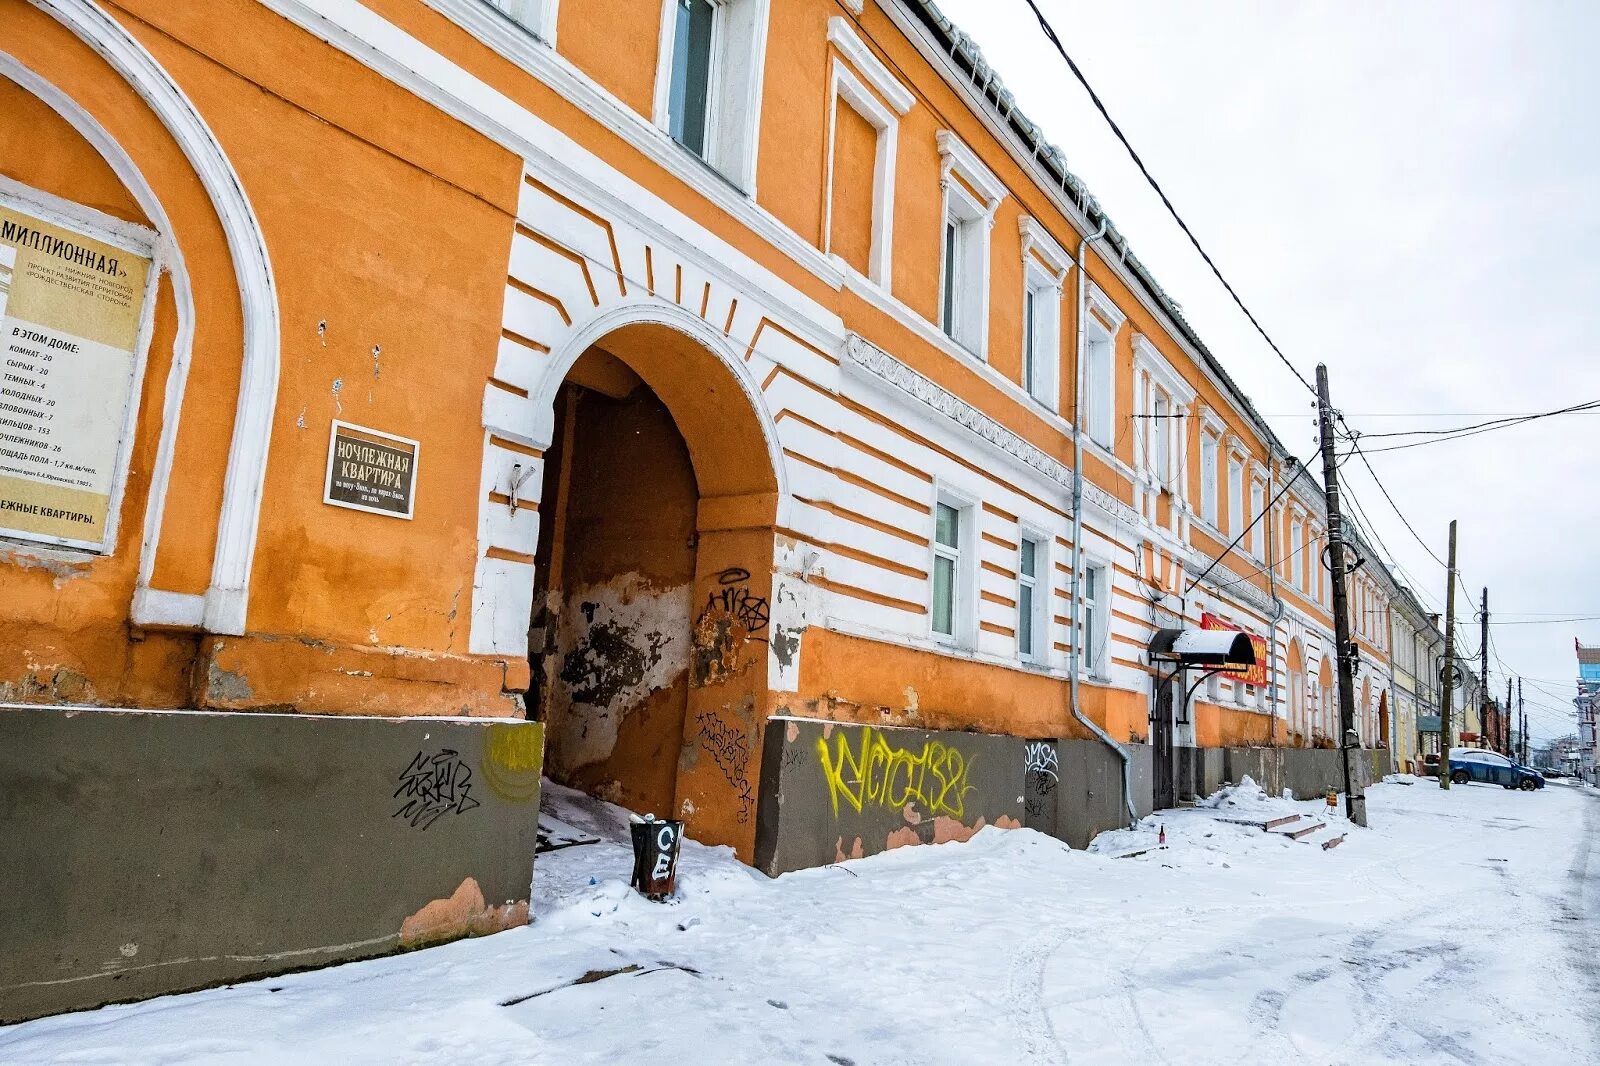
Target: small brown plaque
<point>371,471</point>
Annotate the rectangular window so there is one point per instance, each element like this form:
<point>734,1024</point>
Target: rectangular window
<point>1162,459</point>
<point>1041,334</point>
<point>1095,607</point>
<point>1258,535</point>
<point>1095,406</point>
<point>1208,479</point>
<point>946,569</point>
<point>1027,598</point>
<point>1297,557</point>
<point>1235,498</point>
<point>1030,339</point>
<point>693,48</point>
<point>952,276</point>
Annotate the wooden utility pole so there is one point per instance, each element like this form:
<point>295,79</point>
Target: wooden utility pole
<point>1449,668</point>
<point>1355,800</point>
<point>1522,724</point>
<point>1484,699</point>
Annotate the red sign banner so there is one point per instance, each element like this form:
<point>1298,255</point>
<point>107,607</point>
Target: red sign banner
<point>1257,674</point>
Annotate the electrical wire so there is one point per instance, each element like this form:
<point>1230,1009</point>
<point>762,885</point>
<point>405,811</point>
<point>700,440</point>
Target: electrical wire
<point>1588,405</point>
<point>1094,97</point>
<point>1486,428</point>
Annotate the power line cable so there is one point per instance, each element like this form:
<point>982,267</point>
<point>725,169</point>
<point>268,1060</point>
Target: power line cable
<point>1049,32</point>
<point>1488,428</point>
<point>1588,405</point>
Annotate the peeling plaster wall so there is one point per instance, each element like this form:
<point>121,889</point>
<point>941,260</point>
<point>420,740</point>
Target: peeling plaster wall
<point>623,651</point>
<point>149,852</point>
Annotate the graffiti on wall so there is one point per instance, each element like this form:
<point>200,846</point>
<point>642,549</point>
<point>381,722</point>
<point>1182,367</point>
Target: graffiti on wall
<point>433,786</point>
<point>730,750</point>
<point>1041,769</point>
<point>731,617</point>
<point>875,773</point>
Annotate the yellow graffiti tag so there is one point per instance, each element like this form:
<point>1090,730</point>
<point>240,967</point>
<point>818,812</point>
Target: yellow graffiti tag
<point>513,758</point>
<point>878,774</point>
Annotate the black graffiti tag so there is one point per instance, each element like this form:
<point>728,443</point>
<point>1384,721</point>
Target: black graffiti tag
<point>730,750</point>
<point>734,599</point>
<point>434,786</point>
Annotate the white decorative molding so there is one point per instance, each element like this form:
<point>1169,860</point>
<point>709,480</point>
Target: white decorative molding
<point>1102,305</point>
<point>1040,247</point>
<point>862,353</point>
<point>960,161</point>
<point>539,17</point>
<point>1147,357</point>
<point>852,47</point>
<point>227,599</point>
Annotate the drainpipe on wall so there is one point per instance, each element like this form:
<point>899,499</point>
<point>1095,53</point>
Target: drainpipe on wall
<point>1074,604</point>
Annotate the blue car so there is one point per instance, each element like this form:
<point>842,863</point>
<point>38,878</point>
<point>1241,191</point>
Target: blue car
<point>1489,768</point>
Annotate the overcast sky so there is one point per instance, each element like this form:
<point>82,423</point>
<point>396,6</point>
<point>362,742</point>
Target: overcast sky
<point>1405,191</point>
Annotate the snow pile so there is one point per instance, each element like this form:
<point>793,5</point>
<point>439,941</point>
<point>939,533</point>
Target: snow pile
<point>1227,945</point>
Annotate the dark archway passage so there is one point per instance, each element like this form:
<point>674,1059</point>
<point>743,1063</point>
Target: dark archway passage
<point>652,576</point>
<point>615,566</point>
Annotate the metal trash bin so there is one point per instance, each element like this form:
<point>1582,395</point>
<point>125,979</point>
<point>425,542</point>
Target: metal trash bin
<point>655,856</point>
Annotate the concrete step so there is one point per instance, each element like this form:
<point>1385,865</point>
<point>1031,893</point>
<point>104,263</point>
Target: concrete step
<point>1301,834</point>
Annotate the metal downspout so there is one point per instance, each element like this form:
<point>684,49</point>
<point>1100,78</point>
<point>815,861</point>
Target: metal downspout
<point>1076,600</point>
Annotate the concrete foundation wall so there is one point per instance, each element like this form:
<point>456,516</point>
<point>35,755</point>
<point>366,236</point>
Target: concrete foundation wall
<point>1304,771</point>
<point>1091,788</point>
<point>152,852</point>
<point>831,791</point>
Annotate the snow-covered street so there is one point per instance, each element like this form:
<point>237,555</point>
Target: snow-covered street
<point>1464,926</point>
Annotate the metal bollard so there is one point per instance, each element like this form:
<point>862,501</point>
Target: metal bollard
<point>655,855</point>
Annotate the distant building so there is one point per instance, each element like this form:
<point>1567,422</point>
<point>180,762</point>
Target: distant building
<point>1588,702</point>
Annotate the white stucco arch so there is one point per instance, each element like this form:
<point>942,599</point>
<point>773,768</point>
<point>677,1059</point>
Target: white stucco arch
<point>502,586</point>
<point>587,331</point>
<point>224,607</point>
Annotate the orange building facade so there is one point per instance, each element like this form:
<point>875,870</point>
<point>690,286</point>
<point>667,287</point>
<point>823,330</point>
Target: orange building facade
<point>659,372</point>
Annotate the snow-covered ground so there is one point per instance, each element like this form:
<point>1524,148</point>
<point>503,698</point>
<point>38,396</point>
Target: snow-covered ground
<point>1461,928</point>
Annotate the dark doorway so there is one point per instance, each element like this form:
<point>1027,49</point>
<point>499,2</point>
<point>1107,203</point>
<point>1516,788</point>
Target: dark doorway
<point>1161,737</point>
<point>609,635</point>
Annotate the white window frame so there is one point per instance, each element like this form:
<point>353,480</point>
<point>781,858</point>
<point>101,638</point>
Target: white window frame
<point>964,604</point>
<point>1236,508</point>
<point>1102,321</point>
<point>1165,439</point>
<point>1297,567</point>
<point>1210,477</point>
<point>971,193</point>
<point>1258,504</point>
<point>881,105</point>
<point>738,69</point>
<point>1096,620</point>
<point>1044,276</point>
<point>1040,583</point>
<point>538,17</point>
